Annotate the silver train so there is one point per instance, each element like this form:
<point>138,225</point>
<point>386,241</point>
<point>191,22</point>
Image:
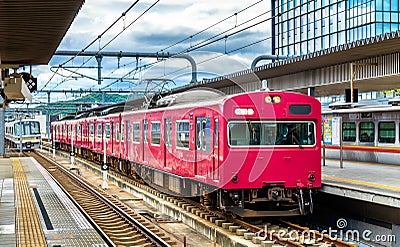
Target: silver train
<point>369,134</point>
<point>25,132</point>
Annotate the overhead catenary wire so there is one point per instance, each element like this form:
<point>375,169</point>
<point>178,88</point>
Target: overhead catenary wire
<point>211,40</point>
<point>96,39</point>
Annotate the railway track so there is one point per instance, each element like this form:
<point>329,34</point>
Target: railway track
<point>281,233</point>
<point>117,223</point>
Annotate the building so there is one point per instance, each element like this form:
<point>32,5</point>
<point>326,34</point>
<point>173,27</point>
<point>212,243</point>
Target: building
<point>304,26</point>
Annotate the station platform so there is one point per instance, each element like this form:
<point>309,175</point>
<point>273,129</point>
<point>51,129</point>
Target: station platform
<point>35,211</point>
<point>371,182</point>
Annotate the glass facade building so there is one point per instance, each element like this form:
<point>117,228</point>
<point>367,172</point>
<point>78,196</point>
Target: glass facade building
<point>305,26</point>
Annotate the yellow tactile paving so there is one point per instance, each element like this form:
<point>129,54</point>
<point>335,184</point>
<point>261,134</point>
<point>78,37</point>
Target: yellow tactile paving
<point>28,229</point>
<point>351,181</point>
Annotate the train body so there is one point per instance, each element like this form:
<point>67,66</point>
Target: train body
<point>25,132</point>
<point>369,134</point>
<point>253,154</point>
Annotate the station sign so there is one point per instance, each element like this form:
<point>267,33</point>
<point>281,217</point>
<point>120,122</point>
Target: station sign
<point>331,129</point>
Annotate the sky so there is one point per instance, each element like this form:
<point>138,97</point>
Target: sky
<point>167,23</point>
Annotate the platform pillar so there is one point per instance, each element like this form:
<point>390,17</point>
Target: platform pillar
<point>2,128</point>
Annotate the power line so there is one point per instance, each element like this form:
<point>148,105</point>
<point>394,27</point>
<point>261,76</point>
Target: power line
<point>96,39</point>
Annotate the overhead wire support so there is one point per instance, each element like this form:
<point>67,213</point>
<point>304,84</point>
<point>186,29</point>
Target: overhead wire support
<point>91,43</point>
<point>117,35</point>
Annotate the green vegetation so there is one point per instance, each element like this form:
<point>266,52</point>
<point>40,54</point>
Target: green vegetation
<point>64,108</point>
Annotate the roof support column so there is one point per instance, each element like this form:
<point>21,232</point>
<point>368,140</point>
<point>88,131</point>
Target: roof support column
<point>311,91</point>
<point>2,120</point>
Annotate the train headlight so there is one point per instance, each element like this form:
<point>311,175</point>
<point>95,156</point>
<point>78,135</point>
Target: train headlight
<point>273,99</point>
<point>276,99</point>
<point>235,179</point>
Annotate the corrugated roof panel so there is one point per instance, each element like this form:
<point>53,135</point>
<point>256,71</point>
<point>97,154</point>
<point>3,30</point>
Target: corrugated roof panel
<point>30,31</point>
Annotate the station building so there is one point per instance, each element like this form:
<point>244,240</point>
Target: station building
<point>301,27</point>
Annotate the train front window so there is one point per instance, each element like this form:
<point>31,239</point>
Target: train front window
<point>256,133</point>
<point>28,128</point>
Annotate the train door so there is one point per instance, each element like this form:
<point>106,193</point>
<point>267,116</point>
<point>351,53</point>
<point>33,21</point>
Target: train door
<point>203,146</point>
<point>215,168</point>
<point>145,138</point>
<point>167,142</point>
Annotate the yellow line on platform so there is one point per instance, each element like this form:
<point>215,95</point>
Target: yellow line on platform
<point>350,181</point>
<point>28,229</point>
<point>347,162</point>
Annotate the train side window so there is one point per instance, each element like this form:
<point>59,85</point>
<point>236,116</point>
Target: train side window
<point>122,131</point>
<point>386,132</point>
<point>155,133</point>
<point>116,133</point>
<point>367,132</point>
<point>108,131</point>
<point>216,133</point>
<point>136,132</point>
<point>349,131</point>
<point>168,132</point>
<point>145,131</point>
<point>99,130</point>
<point>91,130</point>
<point>182,134</point>
<point>128,131</point>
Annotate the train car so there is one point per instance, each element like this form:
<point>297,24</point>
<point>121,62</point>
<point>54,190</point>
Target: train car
<point>25,132</point>
<point>369,134</point>
<point>253,154</point>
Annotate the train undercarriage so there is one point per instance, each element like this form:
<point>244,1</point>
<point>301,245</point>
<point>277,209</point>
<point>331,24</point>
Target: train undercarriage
<point>271,200</point>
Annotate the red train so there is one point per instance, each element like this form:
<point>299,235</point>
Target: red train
<point>254,154</point>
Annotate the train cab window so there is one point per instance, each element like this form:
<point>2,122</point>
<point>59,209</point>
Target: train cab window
<point>367,132</point>
<point>182,134</point>
<point>252,133</point>
<point>122,131</point>
<point>108,131</point>
<point>34,128</point>
<point>386,132</point>
<point>99,131</point>
<point>349,131</point>
<point>145,131</point>
<point>17,128</point>
<point>155,133</point>
<point>168,132</point>
<point>91,130</point>
<point>136,132</point>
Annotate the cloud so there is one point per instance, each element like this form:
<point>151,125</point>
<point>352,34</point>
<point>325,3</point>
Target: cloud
<point>168,22</point>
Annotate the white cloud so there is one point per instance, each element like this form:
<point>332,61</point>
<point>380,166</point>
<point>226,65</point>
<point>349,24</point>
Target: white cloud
<point>168,22</point>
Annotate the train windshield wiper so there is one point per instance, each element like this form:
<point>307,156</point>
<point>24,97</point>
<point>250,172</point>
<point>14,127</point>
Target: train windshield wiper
<point>296,140</point>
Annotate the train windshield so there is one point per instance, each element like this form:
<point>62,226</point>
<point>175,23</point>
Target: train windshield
<point>28,128</point>
<point>263,133</point>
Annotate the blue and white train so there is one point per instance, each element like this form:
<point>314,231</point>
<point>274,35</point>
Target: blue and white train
<point>25,132</point>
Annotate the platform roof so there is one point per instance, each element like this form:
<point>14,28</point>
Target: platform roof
<point>31,30</point>
<point>367,48</point>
